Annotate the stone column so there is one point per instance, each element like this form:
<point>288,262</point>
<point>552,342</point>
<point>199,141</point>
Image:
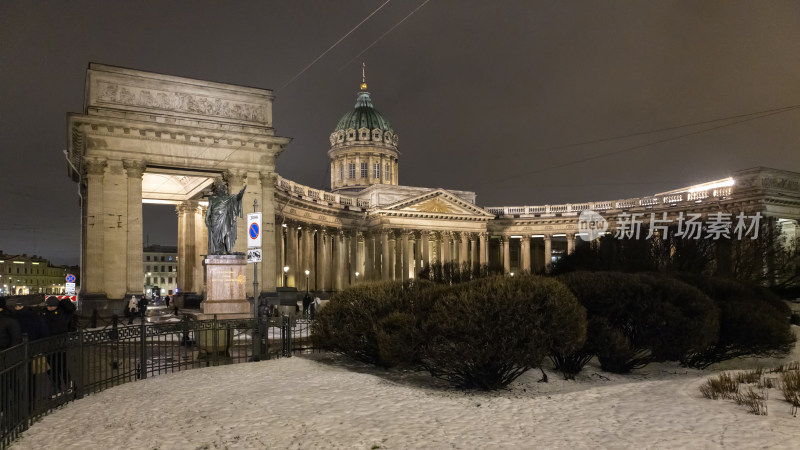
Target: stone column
<point>269,249</point>
<point>445,247</point>
<point>369,256</point>
<point>484,250</point>
<point>307,262</point>
<point>341,261</point>
<point>504,241</point>
<point>280,257</point>
<point>322,259</point>
<point>200,249</point>
<point>417,254</point>
<point>385,255</point>
<point>424,237</point>
<point>463,255</point>
<point>355,258</point>
<point>291,255</point>
<point>186,244</point>
<point>135,275</point>
<point>92,276</point>
<point>570,243</point>
<point>115,237</point>
<point>180,211</point>
<point>473,259</point>
<point>392,257</point>
<point>548,252</point>
<point>525,243</point>
<point>406,256</point>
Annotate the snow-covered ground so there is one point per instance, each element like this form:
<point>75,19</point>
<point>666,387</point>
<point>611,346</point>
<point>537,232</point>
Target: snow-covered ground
<point>326,401</point>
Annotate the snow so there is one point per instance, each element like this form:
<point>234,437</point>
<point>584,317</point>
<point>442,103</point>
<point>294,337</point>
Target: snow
<point>328,401</point>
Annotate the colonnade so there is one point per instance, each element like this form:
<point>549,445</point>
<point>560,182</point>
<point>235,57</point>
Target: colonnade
<point>336,259</point>
<point>526,258</point>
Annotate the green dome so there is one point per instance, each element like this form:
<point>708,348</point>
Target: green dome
<point>363,116</point>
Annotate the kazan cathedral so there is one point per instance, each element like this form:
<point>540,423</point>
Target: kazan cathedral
<point>150,138</point>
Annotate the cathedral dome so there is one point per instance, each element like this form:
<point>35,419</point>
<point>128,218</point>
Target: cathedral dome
<point>364,115</point>
<point>363,124</point>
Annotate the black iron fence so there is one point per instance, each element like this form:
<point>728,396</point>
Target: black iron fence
<point>39,376</point>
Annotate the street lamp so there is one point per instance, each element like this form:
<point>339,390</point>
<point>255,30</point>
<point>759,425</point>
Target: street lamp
<point>307,272</point>
<point>285,276</point>
<point>512,274</point>
<point>356,277</point>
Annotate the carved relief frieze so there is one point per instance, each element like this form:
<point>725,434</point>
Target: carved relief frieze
<point>784,183</point>
<point>179,101</point>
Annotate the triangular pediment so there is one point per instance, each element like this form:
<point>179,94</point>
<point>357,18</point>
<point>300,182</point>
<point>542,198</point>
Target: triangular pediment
<point>437,203</point>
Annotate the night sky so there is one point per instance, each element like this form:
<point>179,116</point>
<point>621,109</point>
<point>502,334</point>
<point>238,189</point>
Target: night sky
<point>524,102</point>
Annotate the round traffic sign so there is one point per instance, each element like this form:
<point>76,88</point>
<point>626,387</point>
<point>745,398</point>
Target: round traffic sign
<point>70,278</point>
<point>253,231</point>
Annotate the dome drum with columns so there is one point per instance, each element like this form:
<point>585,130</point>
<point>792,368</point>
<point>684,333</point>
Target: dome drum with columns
<point>363,148</point>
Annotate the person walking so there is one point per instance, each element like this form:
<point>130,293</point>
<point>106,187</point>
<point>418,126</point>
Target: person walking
<point>133,309</point>
<point>34,327</point>
<point>59,318</point>
<point>10,331</point>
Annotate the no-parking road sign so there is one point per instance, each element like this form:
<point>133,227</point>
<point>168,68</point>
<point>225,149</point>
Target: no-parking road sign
<point>254,230</point>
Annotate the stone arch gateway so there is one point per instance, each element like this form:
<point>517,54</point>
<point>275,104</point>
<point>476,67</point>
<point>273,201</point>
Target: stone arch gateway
<point>147,137</point>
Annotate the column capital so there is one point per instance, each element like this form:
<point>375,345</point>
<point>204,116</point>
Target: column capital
<point>546,237</point>
<point>234,176</point>
<point>95,166</point>
<point>134,167</point>
<point>268,179</point>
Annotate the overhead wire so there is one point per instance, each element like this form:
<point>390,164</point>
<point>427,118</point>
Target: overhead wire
<point>384,34</point>
<point>334,45</point>
<point>640,146</point>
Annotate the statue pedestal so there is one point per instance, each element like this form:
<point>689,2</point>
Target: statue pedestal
<point>226,293</point>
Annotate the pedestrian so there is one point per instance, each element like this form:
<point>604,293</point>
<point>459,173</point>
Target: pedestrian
<point>10,335</point>
<point>142,306</point>
<point>313,307</point>
<point>306,303</point>
<point>10,331</point>
<point>58,316</point>
<point>166,301</point>
<point>32,324</point>
<point>34,327</point>
<point>133,309</point>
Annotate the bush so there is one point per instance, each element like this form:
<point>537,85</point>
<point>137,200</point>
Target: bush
<point>752,322</point>
<point>689,320</point>
<point>794,319</point>
<point>486,333</point>
<point>354,318</point>
<point>623,316</point>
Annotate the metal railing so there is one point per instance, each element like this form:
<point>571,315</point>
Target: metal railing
<point>39,376</point>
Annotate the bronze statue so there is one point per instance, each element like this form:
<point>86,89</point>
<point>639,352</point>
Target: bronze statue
<point>221,219</point>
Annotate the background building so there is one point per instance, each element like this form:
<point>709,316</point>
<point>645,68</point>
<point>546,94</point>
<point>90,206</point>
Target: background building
<point>23,275</point>
<point>160,269</point>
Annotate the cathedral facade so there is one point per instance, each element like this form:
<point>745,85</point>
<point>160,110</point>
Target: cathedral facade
<point>146,137</point>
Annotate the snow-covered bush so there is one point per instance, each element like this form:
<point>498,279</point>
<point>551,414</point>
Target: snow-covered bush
<point>485,333</point>
<point>751,322</point>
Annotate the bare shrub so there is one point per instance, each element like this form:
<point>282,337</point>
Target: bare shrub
<point>756,403</point>
<point>750,376</point>
<point>790,387</point>
<point>722,386</point>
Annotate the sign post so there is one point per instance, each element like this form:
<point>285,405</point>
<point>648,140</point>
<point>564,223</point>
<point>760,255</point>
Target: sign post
<point>254,256</point>
<point>69,286</point>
